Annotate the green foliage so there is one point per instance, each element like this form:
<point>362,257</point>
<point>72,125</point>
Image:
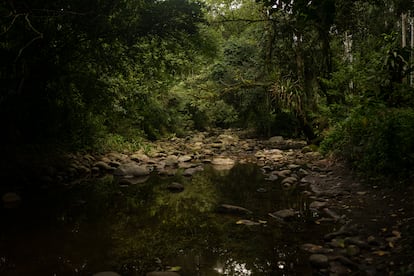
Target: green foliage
<point>378,141</point>
<point>75,71</point>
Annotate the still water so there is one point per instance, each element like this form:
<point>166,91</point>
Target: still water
<point>100,225</point>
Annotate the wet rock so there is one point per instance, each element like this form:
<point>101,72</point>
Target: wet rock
<point>131,169</point>
<point>332,214</point>
<point>317,204</point>
<point>167,172</point>
<point>175,187</point>
<point>11,200</point>
<point>163,273</point>
<point>345,230</point>
<point>319,260</point>
<point>233,209</point>
<point>261,190</point>
<point>247,222</point>
<point>315,249</point>
<point>285,214</point>
<point>106,273</point>
<point>192,171</point>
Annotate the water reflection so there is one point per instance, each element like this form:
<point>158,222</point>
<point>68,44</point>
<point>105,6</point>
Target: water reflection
<point>146,227</point>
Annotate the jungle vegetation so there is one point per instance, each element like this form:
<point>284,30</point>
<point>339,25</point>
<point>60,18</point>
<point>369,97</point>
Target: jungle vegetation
<point>95,74</point>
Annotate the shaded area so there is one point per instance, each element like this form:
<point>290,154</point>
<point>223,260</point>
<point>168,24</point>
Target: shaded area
<point>101,226</point>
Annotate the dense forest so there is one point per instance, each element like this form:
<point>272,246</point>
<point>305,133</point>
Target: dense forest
<point>132,130</point>
<point>96,74</point>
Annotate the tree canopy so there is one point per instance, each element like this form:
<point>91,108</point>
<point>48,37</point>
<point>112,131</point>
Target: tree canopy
<point>78,72</point>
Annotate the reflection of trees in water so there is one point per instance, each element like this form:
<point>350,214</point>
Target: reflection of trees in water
<point>153,228</point>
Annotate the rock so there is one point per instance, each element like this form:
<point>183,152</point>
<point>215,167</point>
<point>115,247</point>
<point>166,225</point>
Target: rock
<point>261,190</point>
<point>103,165</point>
<point>131,169</point>
<point>171,160</point>
<point>140,157</point>
<point>285,214</point>
<point>192,171</point>
<point>284,173</point>
<point>167,172</point>
<point>289,180</point>
<point>356,241</point>
<point>276,140</point>
<point>233,209</point>
<point>114,164</point>
<point>293,166</point>
<point>319,260</point>
<point>317,204</point>
<point>175,187</point>
<point>272,177</point>
<point>247,222</point>
<point>163,273</point>
<point>106,273</point>
<point>315,249</point>
<point>11,200</point>
<point>222,161</point>
<point>184,158</point>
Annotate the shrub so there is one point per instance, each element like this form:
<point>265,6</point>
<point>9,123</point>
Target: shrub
<point>377,141</point>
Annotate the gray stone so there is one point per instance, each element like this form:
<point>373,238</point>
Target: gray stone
<point>131,169</point>
<point>319,260</point>
<point>285,214</point>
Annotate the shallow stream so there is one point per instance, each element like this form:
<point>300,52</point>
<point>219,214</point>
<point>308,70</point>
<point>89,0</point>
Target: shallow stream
<point>100,225</point>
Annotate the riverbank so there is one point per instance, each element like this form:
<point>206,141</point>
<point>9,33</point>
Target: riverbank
<point>370,225</point>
